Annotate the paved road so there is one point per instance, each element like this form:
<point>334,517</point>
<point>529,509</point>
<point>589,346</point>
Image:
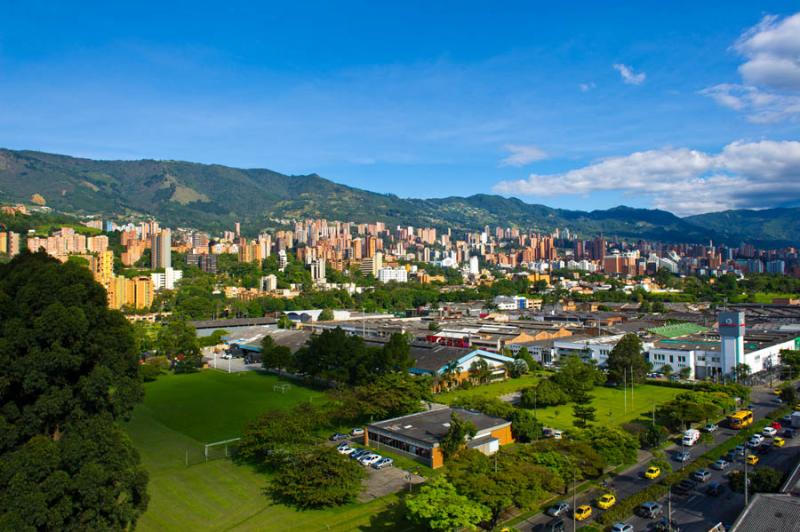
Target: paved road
<point>688,510</point>
<point>698,512</point>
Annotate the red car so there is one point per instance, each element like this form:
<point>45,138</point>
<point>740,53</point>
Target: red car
<point>776,425</point>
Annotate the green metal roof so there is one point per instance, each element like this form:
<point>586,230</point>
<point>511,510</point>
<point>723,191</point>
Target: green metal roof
<point>678,329</point>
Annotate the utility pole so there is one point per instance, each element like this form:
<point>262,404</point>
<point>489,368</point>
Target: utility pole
<point>669,508</point>
<point>746,490</point>
<point>574,523</point>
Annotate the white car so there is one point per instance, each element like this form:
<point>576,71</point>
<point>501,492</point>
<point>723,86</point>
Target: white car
<point>370,459</point>
<point>769,432</point>
<point>756,440</point>
<point>357,432</point>
<point>383,462</point>
<point>622,527</point>
<point>711,427</point>
<point>346,450</point>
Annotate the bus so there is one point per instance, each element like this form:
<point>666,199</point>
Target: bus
<point>740,419</point>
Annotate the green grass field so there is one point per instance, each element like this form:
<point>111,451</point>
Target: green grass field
<point>182,411</point>
<point>610,402</point>
<point>610,405</point>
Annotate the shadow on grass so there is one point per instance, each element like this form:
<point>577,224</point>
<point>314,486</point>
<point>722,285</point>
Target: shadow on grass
<point>392,518</point>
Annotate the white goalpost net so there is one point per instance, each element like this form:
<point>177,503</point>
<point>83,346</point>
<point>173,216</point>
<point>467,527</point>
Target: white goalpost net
<point>283,387</point>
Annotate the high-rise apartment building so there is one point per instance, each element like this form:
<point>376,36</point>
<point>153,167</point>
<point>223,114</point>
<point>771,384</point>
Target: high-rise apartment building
<point>161,249</point>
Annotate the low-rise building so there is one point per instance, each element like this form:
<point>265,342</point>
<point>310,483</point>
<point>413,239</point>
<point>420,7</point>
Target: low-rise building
<point>419,435</point>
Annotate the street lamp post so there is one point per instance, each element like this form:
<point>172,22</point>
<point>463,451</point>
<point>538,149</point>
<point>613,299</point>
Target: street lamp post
<point>574,523</point>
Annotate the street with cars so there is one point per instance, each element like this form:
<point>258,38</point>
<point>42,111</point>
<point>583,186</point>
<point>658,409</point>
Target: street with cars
<point>696,504</point>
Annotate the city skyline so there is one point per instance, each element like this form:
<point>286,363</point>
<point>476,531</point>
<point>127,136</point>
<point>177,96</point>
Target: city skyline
<point>690,113</point>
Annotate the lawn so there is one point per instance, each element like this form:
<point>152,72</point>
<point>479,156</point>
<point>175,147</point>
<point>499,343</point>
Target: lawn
<point>610,405</point>
<point>180,412</point>
<point>495,389</point>
<point>211,405</point>
<point>610,402</point>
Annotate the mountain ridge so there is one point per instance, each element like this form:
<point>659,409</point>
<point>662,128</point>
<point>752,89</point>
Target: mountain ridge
<point>213,196</point>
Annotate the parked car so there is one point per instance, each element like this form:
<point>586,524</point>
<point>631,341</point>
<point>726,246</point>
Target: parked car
<point>383,462</point>
<point>652,472</point>
<point>606,501</point>
<point>359,453</point>
<point>682,456</point>
<point>337,436</point>
<point>370,459</point>
<point>752,459</point>
<point>702,475</point>
<point>769,432</point>
<point>650,510</point>
<point>739,450</point>
<point>788,433</point>
<point>715,489</point>
<point>787,419</point>
<point>622,527</point>
<point>357,432</point>
<point>755,440</point>
<point>764,448</point>
<point>558,509</point>
<point>346,450</point>
<point>720,465</point>
<point>583,512</point>
<point>711,427</point>
<point>778,441</point>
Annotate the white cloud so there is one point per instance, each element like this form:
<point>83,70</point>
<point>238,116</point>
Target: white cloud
<point>770,91</point>
<point>742,175</point>
<point>520,155</point>
<point>628,75</point>
<point>772,50</point>
<point>586,87</point>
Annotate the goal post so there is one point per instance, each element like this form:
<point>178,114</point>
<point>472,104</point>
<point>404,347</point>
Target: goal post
<point>281,387</point>
<point>218,449</point>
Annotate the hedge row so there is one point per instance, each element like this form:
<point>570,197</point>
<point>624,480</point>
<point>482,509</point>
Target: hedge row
<point>626,507</point>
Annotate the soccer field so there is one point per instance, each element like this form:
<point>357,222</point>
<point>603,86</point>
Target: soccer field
<point>182,411</point>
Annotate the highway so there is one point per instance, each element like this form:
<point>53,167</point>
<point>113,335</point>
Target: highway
<point>695,512</point>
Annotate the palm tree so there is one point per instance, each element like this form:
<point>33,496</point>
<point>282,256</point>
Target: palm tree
<point>451,373</point>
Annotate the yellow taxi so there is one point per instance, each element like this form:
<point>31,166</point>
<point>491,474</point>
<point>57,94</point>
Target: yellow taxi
<point>752,459</point>
<point>777,441</point>
<point>606,501</point>
<point>776,391</point>
<point>584,511</point>
<point>652,472</point>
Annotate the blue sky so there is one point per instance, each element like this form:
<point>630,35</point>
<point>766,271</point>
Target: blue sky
<point>688,106</point>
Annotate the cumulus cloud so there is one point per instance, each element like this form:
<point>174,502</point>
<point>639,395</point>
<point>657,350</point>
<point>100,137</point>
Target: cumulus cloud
<point>770,88</point>
<point>628,75</point>
<point>685,181</point>
<point>520,155</point>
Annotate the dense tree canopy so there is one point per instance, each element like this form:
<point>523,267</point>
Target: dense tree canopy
<point>626,361</point>
<point>68,372</point>
<point>438,506</point>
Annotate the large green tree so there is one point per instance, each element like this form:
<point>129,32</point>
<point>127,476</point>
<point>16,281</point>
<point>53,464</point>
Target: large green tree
<point>626,361</point>
<point>68,374</point>
<point>438,506</point>
<point>577,377</point>
<point>177,340</point>
<point>456,437</point>
<point>316,477</point>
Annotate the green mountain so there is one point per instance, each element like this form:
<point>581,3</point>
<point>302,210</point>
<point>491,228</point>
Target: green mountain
<point>778,226</point>
<point>213,197</point>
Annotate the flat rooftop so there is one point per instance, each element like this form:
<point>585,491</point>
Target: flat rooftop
<point>431,426</point>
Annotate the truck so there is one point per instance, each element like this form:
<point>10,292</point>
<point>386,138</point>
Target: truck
<point>796,420</point>
<point>690,437</point>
